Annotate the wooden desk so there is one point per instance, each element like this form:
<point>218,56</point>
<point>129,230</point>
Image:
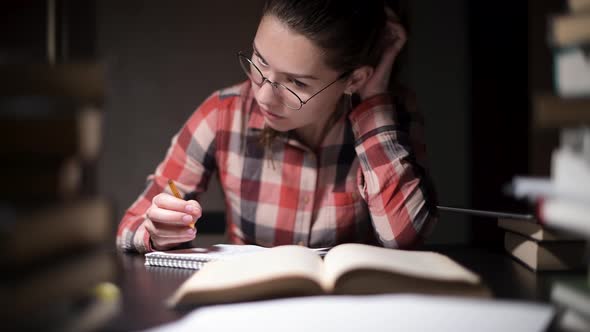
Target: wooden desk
<point>144,289</point>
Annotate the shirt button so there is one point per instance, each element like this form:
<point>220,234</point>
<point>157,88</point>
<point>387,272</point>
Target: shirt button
<point>306,199</point>
<point>300,243</point>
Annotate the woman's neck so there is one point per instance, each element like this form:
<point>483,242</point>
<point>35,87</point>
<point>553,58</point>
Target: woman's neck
<point>313,134</point>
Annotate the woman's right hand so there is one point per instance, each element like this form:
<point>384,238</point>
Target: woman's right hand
<point>170,221</point>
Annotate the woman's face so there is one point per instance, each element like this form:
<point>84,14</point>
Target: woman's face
<point>286,57</point>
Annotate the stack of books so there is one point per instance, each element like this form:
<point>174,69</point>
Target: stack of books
<point>562,199</point>
<point>540,248</point>
<point>54,224</point>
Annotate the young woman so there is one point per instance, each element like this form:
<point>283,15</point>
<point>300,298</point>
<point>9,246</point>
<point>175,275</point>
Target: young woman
<point>299,159</point>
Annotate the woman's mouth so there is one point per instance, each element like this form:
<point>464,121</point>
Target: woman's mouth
<point>271,115</point>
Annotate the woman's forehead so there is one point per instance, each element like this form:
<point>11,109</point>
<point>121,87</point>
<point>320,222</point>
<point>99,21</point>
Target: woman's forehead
<point>288,51</point>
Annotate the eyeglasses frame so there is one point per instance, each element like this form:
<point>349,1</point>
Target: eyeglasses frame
<point>276,84</point>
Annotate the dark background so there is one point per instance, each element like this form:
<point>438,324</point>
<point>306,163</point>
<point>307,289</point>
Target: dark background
<point>474,66</point>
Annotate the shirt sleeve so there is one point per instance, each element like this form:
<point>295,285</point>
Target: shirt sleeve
<point>392,178</point>
<point>189,161</point>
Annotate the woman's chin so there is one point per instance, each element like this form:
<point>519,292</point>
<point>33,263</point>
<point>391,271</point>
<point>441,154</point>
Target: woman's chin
<point>276,126</point>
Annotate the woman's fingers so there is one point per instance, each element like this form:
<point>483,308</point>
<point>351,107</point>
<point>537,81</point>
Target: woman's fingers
<point>391,15</point>
<point>167,231</point>
<point>170,220</point>
<point>170,217</point>
<point>164,235</point>
<point>169,202</point>
<point>395,40</point>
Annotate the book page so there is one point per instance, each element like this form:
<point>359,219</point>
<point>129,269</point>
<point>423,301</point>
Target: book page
<point>419,264</point>
<point>260,269</point>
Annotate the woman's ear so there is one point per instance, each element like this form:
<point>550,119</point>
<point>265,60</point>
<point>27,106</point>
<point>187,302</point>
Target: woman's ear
<point>358,78</point>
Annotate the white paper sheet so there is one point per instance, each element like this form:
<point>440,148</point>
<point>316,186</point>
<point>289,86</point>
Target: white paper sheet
<point>368,313</point>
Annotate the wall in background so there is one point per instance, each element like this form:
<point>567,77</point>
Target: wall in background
<point>439,71</point>
<point>164,59</point>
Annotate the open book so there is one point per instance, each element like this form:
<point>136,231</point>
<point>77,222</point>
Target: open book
<point>347,269</point>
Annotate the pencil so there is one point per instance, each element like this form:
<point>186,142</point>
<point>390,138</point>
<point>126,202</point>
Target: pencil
<point>177,195</point>
<point>173,188</point>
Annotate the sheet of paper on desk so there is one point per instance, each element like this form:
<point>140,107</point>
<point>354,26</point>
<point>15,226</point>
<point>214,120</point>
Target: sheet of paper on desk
<point>368,313</point>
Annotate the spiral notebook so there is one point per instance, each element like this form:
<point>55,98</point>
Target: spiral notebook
<point>195,258</point>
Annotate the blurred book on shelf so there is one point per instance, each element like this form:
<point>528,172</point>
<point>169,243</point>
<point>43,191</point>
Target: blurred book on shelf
<point>33,235</point>
<point>572,298</point>
<point>81,82</point>
<point>571,68</point>
<point>56,226</point>
<point>562,199</point>
<point>551,111</point>
<point>56,279</point>
<point>37,126</point>
<point>578,5</point>
<point>55,290</point>
<point>569,29</point>
<point>569,39</point>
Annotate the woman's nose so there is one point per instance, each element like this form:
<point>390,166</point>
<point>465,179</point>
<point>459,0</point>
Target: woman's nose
<point>265,94</point>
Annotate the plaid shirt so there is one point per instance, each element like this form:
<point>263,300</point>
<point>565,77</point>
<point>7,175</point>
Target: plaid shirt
<point>363,184</point>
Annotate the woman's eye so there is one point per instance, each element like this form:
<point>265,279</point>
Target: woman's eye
<point>261,61</point>
<point>297,83</point>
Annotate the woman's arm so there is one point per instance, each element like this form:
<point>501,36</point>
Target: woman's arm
<point>190,161</point>
<point>392,178</point>
<point>388,131</point>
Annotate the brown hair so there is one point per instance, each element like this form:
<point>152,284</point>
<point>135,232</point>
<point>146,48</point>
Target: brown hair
<point>349,31</point>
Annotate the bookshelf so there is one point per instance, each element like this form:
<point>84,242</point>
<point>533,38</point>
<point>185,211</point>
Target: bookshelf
<point>56,223</point>
<point>560,105</point>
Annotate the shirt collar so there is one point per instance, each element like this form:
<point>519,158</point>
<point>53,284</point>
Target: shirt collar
<point>256,121</point>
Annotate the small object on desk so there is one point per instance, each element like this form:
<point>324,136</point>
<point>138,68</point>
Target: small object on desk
<point>486,213</point>
<point>107,291</point>
<point>176,194</point>
<point>350,268</point>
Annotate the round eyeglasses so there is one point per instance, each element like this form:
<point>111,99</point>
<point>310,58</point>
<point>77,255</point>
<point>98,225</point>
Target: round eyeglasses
<point>287,97</point>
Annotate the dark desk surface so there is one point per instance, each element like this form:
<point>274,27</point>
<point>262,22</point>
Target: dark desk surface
<point>144,289</point>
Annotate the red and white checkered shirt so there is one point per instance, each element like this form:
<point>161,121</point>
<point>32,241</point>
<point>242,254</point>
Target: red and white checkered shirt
<point>365,183</point>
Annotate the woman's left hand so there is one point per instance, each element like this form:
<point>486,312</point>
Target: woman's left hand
<point>395,38</point>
